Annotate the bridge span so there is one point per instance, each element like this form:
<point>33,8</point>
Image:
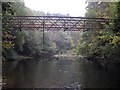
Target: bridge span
<point>57,22</point>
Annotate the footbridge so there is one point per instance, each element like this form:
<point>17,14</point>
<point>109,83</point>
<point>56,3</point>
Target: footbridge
<point>57,23</point>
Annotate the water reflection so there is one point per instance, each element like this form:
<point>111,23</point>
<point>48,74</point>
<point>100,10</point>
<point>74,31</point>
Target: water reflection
<point>45,73</point>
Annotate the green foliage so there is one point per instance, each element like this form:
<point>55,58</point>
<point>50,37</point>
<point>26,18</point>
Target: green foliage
<point>103,45</point>
<point>19,41</point>
<point>90,13</point>
<point>12,41</point>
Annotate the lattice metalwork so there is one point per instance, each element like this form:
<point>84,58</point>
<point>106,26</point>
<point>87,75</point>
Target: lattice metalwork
<point>57,22</point>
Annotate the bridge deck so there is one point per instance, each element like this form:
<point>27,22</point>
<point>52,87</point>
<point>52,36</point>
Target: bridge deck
<point>57,22</point>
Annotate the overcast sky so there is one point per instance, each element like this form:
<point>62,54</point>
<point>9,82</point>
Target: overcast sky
<point>71,7</point>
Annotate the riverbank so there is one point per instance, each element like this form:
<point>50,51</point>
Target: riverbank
<point>103,62</point>
<point>20,57</point>
<point>66,55</point>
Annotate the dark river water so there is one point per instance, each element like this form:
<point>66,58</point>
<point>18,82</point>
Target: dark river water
<point>59,73</point>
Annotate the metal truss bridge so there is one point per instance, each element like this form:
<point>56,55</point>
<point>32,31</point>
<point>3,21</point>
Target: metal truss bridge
<point>57,23</point>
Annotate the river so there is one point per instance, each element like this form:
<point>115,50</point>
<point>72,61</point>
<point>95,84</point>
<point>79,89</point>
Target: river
<point>59,73</point>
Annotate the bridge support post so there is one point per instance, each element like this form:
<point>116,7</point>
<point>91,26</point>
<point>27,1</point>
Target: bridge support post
<point>43,32</point>
<point>84,27</point>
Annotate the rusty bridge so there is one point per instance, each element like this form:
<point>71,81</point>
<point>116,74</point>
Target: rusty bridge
<point>57,23</point>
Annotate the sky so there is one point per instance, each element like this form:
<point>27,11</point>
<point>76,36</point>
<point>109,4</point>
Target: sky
<point>71,7</point>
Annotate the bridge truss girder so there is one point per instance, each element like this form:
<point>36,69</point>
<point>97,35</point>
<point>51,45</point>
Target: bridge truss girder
<point>57,22</point>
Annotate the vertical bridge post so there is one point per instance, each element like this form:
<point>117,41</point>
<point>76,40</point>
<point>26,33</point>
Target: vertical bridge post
<point>43,31</point>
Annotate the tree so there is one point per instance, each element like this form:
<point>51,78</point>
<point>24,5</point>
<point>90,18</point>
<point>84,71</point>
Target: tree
<point>102,45</point>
